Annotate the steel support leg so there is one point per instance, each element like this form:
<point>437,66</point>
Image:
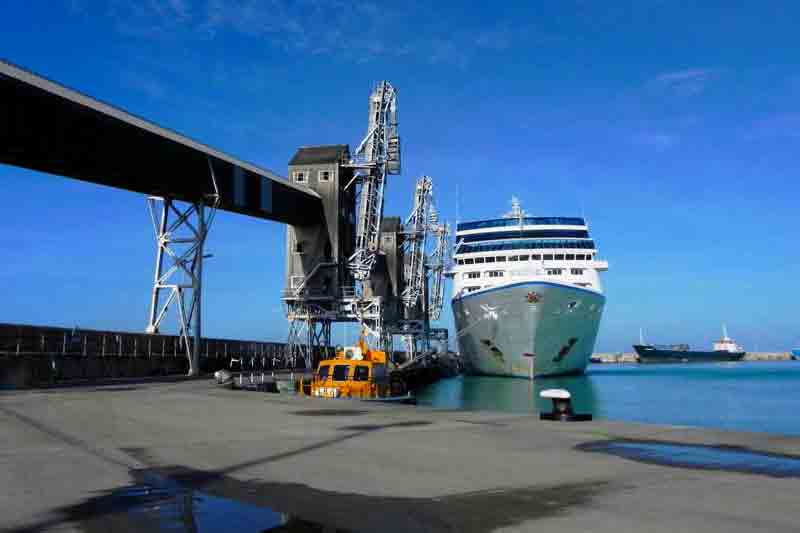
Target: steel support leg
<point>307,337</point>
<point>182,243</point>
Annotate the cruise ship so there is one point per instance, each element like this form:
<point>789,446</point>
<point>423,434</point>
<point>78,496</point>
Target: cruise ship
<point>527,297</point>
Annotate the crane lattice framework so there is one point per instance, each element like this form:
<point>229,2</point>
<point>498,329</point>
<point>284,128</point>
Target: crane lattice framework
<point>423,296</point>
<point>327,272</point>
<point>415,235</point>
<point>377,156</point>
<point>438,264</point>
<point>359,266</point>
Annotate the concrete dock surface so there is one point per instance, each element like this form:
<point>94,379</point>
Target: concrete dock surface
<point>67,454</point>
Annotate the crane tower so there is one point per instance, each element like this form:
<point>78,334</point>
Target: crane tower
<point>377,156</point>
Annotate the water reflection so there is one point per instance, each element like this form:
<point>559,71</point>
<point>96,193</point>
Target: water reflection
<point>508,394</point>
<point>161,504</point>
<point>747,396</point>
<point>700,456</point>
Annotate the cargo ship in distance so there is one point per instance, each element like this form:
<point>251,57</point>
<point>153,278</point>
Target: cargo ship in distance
<point>724,349</point>
<point>527,298</point>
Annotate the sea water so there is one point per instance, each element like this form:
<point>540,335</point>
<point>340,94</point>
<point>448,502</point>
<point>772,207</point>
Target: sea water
<point>746,396</point>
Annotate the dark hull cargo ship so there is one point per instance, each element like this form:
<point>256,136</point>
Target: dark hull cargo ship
<point>649,353</point>
<point>725,349</point>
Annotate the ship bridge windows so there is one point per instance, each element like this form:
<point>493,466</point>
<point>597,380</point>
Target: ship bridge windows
<point>500,259</point>
<point>526,234</point>
<point>490,259</point>
<point>513,258</point>
<point>524,257</point>
<point>554,271</point>
<point>469,261</point>
<point>547,257</point>
<point>495,273</point>
<point>579,257</point>
<point>526,221</point>
<point>570,257</point>
<point>479,260</point>
<point>559,257</point>
<point>576,271</point>
<point>536,257</point>
<point>472,275</point>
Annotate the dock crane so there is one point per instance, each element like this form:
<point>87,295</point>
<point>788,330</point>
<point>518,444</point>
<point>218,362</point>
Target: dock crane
<point>377,156</point>
<point>423,294</point>
<point>359,266</point>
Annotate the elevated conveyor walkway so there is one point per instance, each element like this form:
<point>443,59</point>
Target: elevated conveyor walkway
<point>47,127</point>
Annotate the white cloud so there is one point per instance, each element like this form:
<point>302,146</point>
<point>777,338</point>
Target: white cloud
<point>686,82</point>
<point>359,31</point>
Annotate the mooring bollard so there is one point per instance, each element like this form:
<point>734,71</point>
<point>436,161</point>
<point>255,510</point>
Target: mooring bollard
<point>562,407</point>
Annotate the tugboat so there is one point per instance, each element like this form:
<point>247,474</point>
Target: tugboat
<point>724,349</point>
<point>358,372</point>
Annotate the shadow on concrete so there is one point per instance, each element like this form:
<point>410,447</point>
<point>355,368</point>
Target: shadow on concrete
<point>108,388</point>
<point>329,412</point>
<point>375,427</point>
<point>177,498</point>
<point>180,498</point>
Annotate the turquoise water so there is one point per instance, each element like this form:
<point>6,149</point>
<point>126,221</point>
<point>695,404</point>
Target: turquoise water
<point>747,396</point>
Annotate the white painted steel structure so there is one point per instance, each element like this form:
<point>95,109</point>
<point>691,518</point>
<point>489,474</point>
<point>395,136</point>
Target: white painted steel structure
<point>377,156</point>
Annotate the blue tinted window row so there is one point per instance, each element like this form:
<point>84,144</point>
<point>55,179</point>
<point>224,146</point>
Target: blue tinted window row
<point>528,234</point>
<point>528,221</point>
<point>523,245</point>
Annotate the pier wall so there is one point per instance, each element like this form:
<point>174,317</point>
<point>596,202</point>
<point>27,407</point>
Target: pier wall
<point>40,355</point>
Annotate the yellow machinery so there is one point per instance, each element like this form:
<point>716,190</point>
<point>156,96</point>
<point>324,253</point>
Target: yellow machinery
<point>355,372</point>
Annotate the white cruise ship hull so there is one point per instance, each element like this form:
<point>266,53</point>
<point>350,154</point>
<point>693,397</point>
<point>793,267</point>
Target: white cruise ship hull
<point>502,330</point>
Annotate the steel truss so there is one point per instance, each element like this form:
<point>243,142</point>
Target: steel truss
<point>310,325</point>
<point>437,264</point>
<point>309,338</point>
<point>415,234</point>
<point>423,294</point>
<point>377,156</point>
<point>181,241</point>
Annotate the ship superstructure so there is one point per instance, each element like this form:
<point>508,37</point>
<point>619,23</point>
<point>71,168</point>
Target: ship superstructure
<point>527,296</point>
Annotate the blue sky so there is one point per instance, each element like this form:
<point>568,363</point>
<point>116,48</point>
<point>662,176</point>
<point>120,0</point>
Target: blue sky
<point>674,127</point>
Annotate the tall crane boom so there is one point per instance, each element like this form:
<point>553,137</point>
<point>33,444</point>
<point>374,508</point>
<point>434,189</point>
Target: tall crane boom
<point>377,156</point>
<point>415,233</point>
<point>437,265</point>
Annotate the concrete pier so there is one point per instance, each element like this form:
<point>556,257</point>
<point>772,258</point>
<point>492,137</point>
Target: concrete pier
<point>65,453</point>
